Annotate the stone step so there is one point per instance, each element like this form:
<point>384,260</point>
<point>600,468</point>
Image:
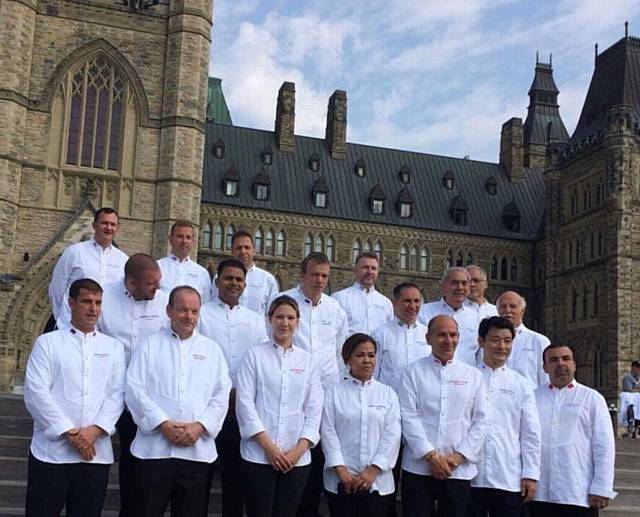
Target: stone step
<point>620,511</point>
<point>628,497</point>
<point>627,461</point>
<point>16,425</point>
<point>15,446</point>
<point>627,477</point>
<point>12,405</point>
<point>628,445</point>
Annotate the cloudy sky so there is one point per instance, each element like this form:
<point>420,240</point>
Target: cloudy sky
<point>435,76</point>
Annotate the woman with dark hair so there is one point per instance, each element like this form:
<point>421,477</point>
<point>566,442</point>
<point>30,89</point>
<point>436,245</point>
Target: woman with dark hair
<point>279,407</point>
<point>360,436</point>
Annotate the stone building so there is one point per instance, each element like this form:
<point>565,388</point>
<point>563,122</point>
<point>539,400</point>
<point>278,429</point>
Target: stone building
<point>108,104</point>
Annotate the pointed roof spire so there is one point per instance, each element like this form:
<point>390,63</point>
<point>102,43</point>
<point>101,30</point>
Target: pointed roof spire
<point>596,56</point>
<point>626,29</point>
<point>537,57</point>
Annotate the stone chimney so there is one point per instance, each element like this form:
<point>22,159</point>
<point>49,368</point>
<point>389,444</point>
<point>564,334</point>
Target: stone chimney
<point>336,131</point>
<point>511,149</point>
<point>286,117</point>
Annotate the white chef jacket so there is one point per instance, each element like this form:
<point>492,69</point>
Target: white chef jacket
<point>261,288</point>
<point>526,355</point>
<point>322,330</point>
<point>483,310</point>
<point>467,319</point>
<point>130,320</point>
<point>82,260</point>
<point>578,448</point>
<point>234,329</point>
<point>278,392</point>
<point>360,427</point>
<point>186,272</point>
<point>511,451</point>
<point>73,380</point>
<point>399,345</point>
<point>366,310</point>
<point>443,407</point>
<point>182,381</point>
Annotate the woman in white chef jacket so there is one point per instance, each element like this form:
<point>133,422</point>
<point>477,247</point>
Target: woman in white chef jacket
<point>279,400</point>
<point>360,436</point>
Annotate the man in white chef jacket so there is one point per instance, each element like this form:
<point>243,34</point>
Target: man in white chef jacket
<point>178,394</point>
<point>262,287</point>
<point>578,447</point>
<point>444,408</point>
<point>528,345</point>
<point>177,267</point>
<point>74,390</point>
<point>132,310</point>
<point>476,299</point>
<point>97,258</point>
<point>509,464</point>
<point>235,329</point>
<point>455,289</point>
<point>366,308</point>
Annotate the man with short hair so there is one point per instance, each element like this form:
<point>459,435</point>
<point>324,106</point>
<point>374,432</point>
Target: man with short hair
<point>527,347</point>
<point>455,289</point>
<point>444,423</point>
<point>578,447</point>
<point>631,380</point>
<point>366,308</point>
<point>261,286</point>
<point>402,340</point>
<point>178,269</point>
<point>322,330</point>
<point>178,393</point>
<point>509,464</point>
<point>74,390</point>
<point>98,259</point>
<point>132,310</point>
<point>476,299</point>
<point>235,329</point>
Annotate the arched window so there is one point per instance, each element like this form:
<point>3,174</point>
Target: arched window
<point>268,243</point>
<point>577,251</point>
<point>403,257</point>
<point>318,244</point>
<point>206,236</point>
<point>218,238</point>
<point>600,244</point>
<point>229,237</point>
<point>355,251</point>
<point>424,259</point>
<point>592,245</point>
<point>596,299</point>
<point>367,246</point>
<point>574,303</point>
<point>448,261</point>
<point>503,269</point>
<point>459,262</point>
<point>377,250</point>
<point>308,244</point>
<point>257,240</point>
<point>494,268</point>
<point>469,260</point>
<point>586,198</point>
<point>598,371</point>
<point>329,249</point>
<point>280,244</point>
<point>585,302</point>
<point>413,258</point>
<point>514,269</point>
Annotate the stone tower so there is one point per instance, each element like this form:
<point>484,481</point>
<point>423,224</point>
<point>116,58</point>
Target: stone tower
<point>103,104</point>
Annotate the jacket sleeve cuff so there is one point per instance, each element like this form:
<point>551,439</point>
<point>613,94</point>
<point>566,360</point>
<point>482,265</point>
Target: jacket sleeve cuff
<point>333,460</point>
<point>106,426</point>
<point>150,422</point>
<point>59,429</point>
<point>249,430</point>
<point>381,462</point>
<point>530,473</point>
<point>602,491</point>
<point>467,452</point>
<point>314,438</point>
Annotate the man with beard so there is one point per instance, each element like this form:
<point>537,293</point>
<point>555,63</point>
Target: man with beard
<point>578,447</point>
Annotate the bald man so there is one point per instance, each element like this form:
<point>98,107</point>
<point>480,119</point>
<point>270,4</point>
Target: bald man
<point>526,354</point>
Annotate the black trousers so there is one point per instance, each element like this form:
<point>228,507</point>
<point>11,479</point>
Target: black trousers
<point>228,445</point>
<point>539,509</point>
<point>269,493</point>
<point>369,505</point>
<point>310,502</point>
<point>81,487</point>
<point>185,484</point>
<point>420,493</point>
<point>397,471</point>
<point>127,430</point>
<point>495,503</point>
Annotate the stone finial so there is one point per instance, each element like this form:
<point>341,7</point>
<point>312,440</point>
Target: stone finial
<point>511,149</point>
<point>286,117</point>
<point>336,131</point>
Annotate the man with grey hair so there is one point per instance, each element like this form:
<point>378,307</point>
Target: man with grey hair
<point>476,299</point>
<point>526,354</point>
<point>455,289</point>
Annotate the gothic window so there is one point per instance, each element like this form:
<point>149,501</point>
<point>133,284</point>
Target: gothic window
<point>268,243</point>
<point>596,299</point>
<point>377,206</point>
<point>355,251</point>
<point>280,244</point>
<point>360,168</point>
<point>229,237</point>
<point>574,202</point>
<point>577,251</point>
<point>600,244</point>
<point>469,260</point>
<point>448,261</point>
<point>459,262</point>
<point>206,236</point>
<point>318,244</point>
<point>405,174</point>
<point>413,258</point>
<point>377,250</point>
<point>267,156</point>
<point>514,269</point>
<point>424,259</point>
<point>329,249</point>
<point>586,198</point>
<point>218,149</point>
<point>308,245</point>
<point>257,240</point>
<point>448,179</point>
<point>598,373</point>
<point>585,301</point>
<point>592,246</point>
<point>218,237</point>
<point>503,269</point>
<point>367,247</point>
<point>494,268</point>
<point>403,257</point>
<point>574,303</point>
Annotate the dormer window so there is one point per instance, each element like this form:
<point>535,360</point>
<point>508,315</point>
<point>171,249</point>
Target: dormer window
<point>267,156</point>
<point>377,206</point>
<point>511,217</point>
<point>405,203</point>
<point>360,168</point>
<point>405,175</point>
<point>377,198</point>
<point>262,192</point>
<point>314,162</point>
<point>459,210</point>
<point>320,199</point>
<point>491,185</point>
<point>230,182</point>
<point>262,185</point>
<point>218,149</point>
<point>320,193</point>
<point>448,179</point>
<point>230,188</point>
<point>405,210</point>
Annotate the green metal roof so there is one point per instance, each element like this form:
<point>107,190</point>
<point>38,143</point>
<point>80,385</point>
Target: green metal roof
<point>217,110</point>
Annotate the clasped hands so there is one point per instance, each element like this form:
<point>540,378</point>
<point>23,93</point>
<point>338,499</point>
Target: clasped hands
<point>282,461</point>
<point>357,482</point>
<point>83,440</point>
<point>182,434</point>
<point>443,465</point>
